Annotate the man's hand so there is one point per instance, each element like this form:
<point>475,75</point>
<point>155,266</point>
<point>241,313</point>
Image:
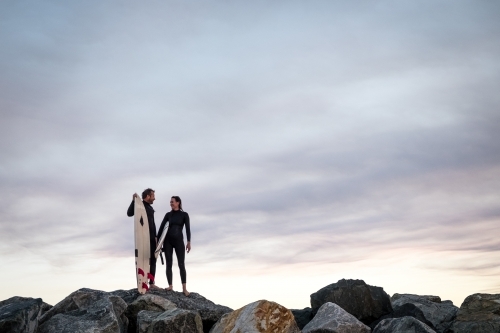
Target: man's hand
<point>134,196</point>
<point>188,247</point>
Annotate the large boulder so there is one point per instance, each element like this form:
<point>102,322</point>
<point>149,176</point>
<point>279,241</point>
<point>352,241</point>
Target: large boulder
<point>257,317</point>
<point>402,325</point>
<point>209,311</point>
<point>302,317</point>
<point>21,314</point>
<point>331,318</point>
<point>147,302</point>
<point>427,309</point>
<point>366,303</point>
<point>479,313</point>
<point>170,321</point>
<point>86,310</point>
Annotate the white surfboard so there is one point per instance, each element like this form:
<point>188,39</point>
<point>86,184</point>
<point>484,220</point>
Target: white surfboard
<point>142,249</point>
<point>161,240</point>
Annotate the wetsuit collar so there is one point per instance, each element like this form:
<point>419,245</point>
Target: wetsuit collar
<point>147,204</point>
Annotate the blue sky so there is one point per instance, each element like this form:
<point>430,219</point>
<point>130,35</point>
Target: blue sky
<point>309,141</point>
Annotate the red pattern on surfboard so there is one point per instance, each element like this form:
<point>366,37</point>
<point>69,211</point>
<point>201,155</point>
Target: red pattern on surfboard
<point>151,277</point>
<point>140,271</point>
<point>145,286</point>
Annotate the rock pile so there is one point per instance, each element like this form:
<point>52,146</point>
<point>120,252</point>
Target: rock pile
<point>347,306</point>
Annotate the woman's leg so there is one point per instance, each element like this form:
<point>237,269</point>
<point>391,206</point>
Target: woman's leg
<point>180,252</point>
<point>167,245</point>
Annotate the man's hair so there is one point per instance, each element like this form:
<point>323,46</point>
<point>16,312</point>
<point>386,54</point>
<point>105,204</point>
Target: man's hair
<point>147,192</point>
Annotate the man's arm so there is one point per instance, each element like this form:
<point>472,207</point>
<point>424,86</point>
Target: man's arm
<point>130,210</point>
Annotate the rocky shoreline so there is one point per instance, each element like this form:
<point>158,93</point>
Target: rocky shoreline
<point>347,306</point>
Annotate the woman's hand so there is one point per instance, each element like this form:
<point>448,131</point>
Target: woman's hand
<point>188,247</point>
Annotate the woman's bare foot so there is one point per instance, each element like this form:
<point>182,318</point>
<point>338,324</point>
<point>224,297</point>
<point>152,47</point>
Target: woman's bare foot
<point>169,288</point>
<point>184,290</point>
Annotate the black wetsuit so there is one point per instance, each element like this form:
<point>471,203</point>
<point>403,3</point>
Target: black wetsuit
<point>174,240</point>
<point>150,212</point>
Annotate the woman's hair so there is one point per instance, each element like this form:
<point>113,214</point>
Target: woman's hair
<point>177,199</point>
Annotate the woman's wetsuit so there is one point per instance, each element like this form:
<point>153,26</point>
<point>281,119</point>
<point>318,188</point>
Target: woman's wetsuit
<point>174,240</point>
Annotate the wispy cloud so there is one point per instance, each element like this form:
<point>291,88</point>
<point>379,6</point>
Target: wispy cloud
<point>295,133</point>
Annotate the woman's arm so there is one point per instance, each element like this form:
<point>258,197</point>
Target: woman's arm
<point>162,226</point>
<point>188,232</point>
<point>188,228</point>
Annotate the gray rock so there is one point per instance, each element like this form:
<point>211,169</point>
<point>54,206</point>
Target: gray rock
<point>479,313</point>
<point>148,302</point>
<point>427,309</point>
<point>402,325</point>
<point>209,311</point>
<point>170,321</point>
<point>302,317</point>
<point>21,314</point>
<point>366,303</point>
<point>332,318</point>
<point>432,298</point>
<point>86,310</point>
<point>258,317</point>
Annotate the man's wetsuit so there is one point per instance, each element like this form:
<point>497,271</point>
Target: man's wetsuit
<point>150,212</point>
<point>174,240</point>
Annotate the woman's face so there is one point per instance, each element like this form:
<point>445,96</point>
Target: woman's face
<point>174,204</point>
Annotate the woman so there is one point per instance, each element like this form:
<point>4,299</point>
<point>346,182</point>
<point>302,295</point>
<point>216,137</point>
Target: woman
<point>177,218</point>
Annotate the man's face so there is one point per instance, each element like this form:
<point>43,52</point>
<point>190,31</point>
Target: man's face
<point>150,198</point>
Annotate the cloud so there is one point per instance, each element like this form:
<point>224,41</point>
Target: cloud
<point>295,134</point>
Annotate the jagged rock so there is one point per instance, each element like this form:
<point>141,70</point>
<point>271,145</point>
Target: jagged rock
<point>479,313</point>
<point>209,311</point>
<point>402,325</point>
<point>21,314</point>
<point>331,318</point>
<point>427,309</point>
<point>86,310</point>
<point>170,321</point>
<point>432,298</point>
<point>366,303</point>
<point>257,317</point>
<point>146,302</point>
<point>302,317</point>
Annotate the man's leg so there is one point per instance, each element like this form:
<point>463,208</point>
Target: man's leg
<point>152,268</point>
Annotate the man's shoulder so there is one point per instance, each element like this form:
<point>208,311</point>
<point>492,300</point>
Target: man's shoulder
<point>148,206</point>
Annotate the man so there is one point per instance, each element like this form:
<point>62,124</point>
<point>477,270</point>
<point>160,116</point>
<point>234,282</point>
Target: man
<point>148,196</point>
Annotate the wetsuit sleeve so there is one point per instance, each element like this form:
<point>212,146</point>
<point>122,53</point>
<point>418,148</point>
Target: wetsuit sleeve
<point>188,228</point>
<point>130,210</point>
<point>162,226</point>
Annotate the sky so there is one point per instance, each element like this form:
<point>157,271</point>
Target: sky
<point>310,141</point>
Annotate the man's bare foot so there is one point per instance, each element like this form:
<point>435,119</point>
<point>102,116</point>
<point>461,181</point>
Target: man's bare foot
<point>186,293</point>
<point>169,288</point>
<point>154,286</point>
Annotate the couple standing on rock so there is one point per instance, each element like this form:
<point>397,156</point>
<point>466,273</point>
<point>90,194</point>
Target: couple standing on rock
<point>174,240</point>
